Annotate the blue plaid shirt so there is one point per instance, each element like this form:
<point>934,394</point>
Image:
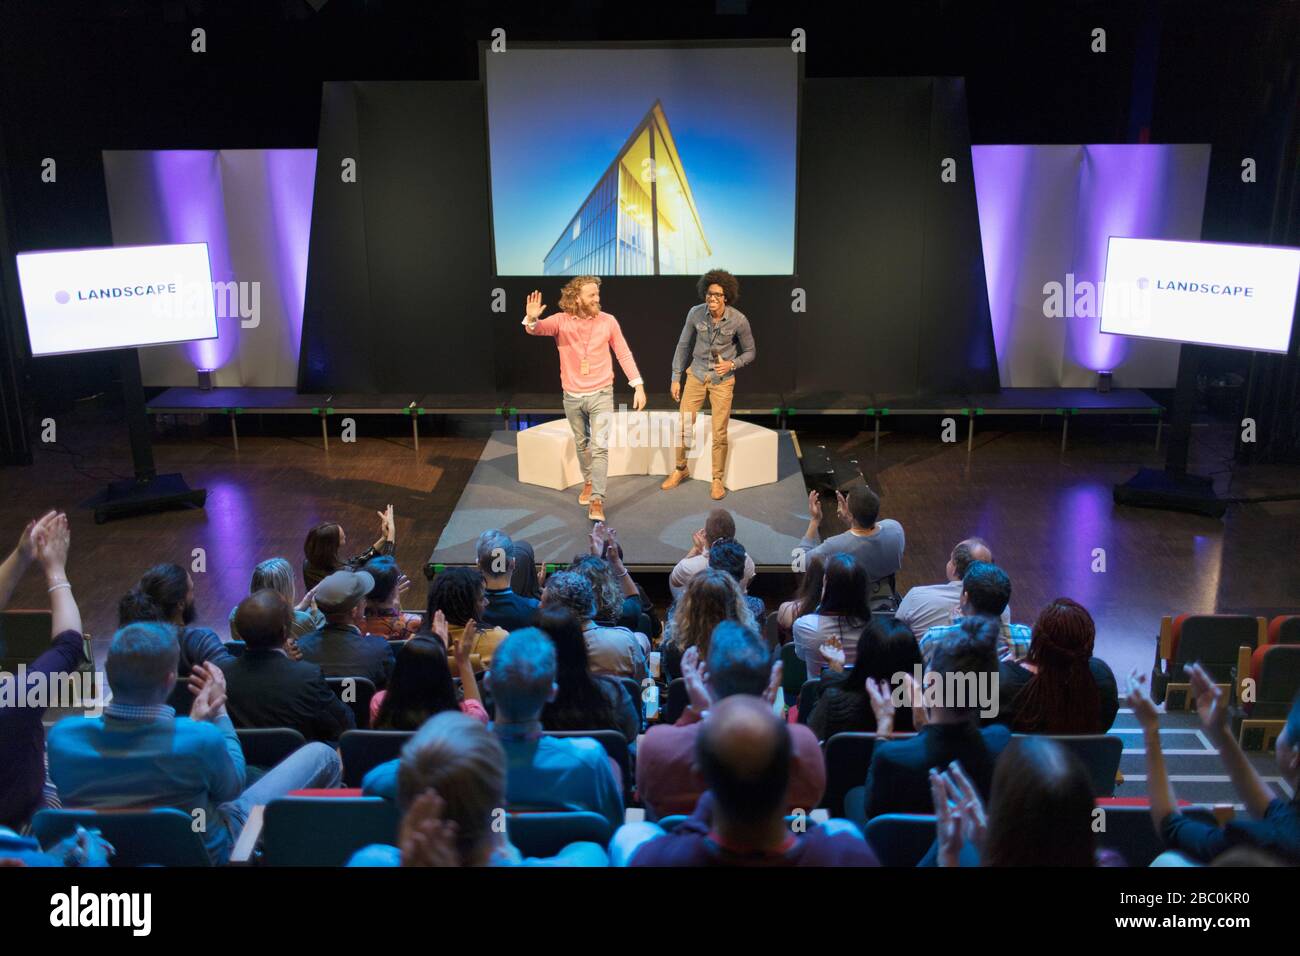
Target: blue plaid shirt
<point>1013,640</point>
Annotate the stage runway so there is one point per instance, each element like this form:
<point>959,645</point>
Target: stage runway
<point>653,526</point>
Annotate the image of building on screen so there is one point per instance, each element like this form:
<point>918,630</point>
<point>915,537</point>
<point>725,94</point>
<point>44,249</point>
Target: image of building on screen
<point>640,217</point>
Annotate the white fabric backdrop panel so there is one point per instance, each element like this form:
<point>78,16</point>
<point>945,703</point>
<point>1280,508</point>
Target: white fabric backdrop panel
<point>1046,213</point>
<point>253,208</point>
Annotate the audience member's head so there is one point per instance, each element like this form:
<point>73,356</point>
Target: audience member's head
<point>496,556</point>
<point>743,754</point>
<point>341,596</point>
<point>986,590</point>
<point>420,686</point>
<point>571,592</point>
<point>864,506</point>
<point>719,524</point>
<point>738,661</point>
<point>710,598</point>
<point>1040,810</point>
<point>579,703</point>
<point>604,586</point>
<point>322,547</point>
<point>522,678</point>
<point>809,594</point>
<point>1062,696</point>
<point>276,574</point>
<point>965,660</point>
<point>458,594</point>
<point>387,575</point>
<point>844,589</point>
<point>164,593</point>
<point>965,554</point>
<point>885,650</point>
<point>462,760</point>
<point>141,664</point>
<point>523,581</point>
<point>728,554</point>
<point>263,620</point>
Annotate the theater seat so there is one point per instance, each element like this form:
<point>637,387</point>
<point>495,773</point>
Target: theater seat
<point>1284,629</point>
<point>324,831</point>
<point>1213,640</point>
<point>1099,753</point>
<point>363,750</point>
<point>900,839</point>
<point>265,747</point>
<point>163,836</point>
<point>361,689</point>
<point>546,834</point>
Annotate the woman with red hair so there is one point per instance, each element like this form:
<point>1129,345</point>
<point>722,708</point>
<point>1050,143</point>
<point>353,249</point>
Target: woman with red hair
<point>1060,688</point>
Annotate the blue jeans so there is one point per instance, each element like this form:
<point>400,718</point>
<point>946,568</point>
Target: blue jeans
<point>591,417</point>
<point>314,766</point>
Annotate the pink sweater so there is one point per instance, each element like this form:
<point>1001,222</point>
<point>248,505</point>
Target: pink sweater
<point>576,337</point>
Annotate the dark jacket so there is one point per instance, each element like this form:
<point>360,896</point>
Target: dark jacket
<point>265,688</point>
<point>898,780</point>
<point>840,710</point>
<point>508,610</point>
<point>343,651</point>
<point>199,645</point>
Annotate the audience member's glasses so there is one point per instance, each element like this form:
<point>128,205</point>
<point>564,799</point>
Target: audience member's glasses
<point>715,295</point>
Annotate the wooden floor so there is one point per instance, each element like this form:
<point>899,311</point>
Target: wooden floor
<point>1045,515</point>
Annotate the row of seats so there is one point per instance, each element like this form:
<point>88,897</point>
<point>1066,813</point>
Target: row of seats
<point>312,830</point>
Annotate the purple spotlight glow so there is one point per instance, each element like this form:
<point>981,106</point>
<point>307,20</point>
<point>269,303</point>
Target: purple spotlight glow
<point>188,184</point>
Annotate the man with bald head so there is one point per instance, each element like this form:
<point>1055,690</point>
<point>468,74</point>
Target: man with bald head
<point>934,605</point>
<point>265,688</point>
<point>743,755</point>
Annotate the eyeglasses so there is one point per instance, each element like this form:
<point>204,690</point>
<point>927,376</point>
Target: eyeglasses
<point>715,295</point>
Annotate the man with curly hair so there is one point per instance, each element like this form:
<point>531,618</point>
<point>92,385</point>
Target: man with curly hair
<point>584,336</point>
<point>723,343</point>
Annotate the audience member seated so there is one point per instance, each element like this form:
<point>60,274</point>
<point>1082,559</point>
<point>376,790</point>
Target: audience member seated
<point>1275,828</point>
<point>611,650</point>
<point>421,686</point>
<point>1041,812</point>
<point>383,608</point>
<point>458,594</point>
<point>165,593</point>
<point>711,598</point>
<point>265,688</point>
<point>885,651</point>
<point>876,544</point>
<point>1060,688</point>
<point>451,782</point>
<point>743,752</point>
<point>526,581</point>
<point>497,562</point>
<point>842,613</point>
<point>339,647</point>
<point>936,605</point>
<point>542,773</point>
<point>277,574</point>
<point>139,754</point>
<point>611,583</point>
<point>807,596</point>
<point>985,592</point>
<point>960,682</point>
<point>324,546</point>
<point>727,554</point>
<point>22,735</point>
<point>583,700</point>
<point>718,525</point>
<point>638,614</point>
<point>739,662</point>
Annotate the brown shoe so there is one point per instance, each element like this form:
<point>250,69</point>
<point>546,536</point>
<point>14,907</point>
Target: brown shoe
<point>585,497</point>
<point>596,511</point>
<point>675,478</point>
<point>718,492</point>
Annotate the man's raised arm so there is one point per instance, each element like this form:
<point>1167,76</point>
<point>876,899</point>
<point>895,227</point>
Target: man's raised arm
<point>533,310</point>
